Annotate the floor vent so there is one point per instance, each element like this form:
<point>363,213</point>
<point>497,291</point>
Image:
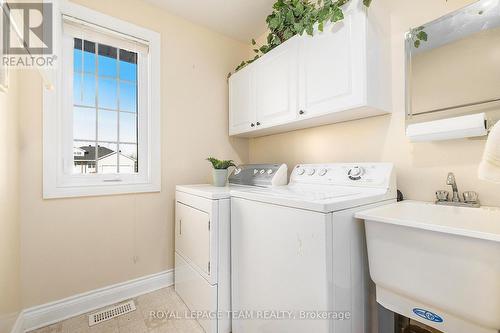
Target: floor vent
<point>111,312</point>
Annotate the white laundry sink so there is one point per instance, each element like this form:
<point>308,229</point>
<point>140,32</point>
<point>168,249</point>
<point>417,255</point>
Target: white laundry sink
<point>436,264</point>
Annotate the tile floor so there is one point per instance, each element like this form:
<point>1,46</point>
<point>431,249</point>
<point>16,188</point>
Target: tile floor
<point>138,321</point>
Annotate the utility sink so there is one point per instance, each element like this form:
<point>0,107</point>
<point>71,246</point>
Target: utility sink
<point>438,265</point>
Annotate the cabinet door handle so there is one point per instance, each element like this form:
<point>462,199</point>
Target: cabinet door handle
<point>252,125</point>
<point>258,124</point>
<point>180,227</point>
<point>302,112</point>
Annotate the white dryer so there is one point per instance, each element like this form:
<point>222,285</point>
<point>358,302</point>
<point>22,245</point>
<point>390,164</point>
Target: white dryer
<point>299,254</point>
<point>202,242</point>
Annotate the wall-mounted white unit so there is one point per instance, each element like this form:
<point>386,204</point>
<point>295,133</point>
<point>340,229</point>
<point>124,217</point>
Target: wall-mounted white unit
<point>473,125</point>
<point>340,74</point>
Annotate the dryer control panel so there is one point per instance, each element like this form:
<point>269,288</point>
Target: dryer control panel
<point>263,175</point>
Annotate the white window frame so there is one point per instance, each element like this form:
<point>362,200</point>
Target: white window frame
<point>59,181</point>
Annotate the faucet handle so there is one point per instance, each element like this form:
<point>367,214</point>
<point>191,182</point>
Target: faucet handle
<point>450,179</point>
<point>442,195</point>
<point>471,197</point>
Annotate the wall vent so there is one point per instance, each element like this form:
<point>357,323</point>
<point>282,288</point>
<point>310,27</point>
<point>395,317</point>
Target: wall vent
<point>111,312</point>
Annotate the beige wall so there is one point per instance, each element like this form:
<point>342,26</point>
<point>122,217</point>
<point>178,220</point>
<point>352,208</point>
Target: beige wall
<point>71,246</point>
<point>9,208</point>
<point>422,167</point>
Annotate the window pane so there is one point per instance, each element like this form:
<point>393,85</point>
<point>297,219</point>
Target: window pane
<point>128,65</point>
<point>107,161</point>
<point>108,121</point>
<point>84,123</point>
<point>128,127</point>
<point>83,157</point>
<point>78,44</point>
<point>128,158</point>
<point>77,89</point>
<point>128,97</point>
<point>89,46</point>
<point>88,62</point>
<point>108,94</point>
<point>84,94</point>
<point>77,61</point>
<point>107,66</point>
<point>108,51</point>
<point>128,56</point>
<point>89,57</point>
<point>107,61</point>
<point>128,71</point>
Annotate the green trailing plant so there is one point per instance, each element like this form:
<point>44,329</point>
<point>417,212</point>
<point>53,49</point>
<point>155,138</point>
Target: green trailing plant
<point>221,164</point>
<point>292,17</point>
<point>418,35</point>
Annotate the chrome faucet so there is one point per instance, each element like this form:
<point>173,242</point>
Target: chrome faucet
<point>470,198</point>
<point>450,180</point>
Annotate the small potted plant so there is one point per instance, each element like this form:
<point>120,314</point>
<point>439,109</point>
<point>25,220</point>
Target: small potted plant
<point>219,172</point>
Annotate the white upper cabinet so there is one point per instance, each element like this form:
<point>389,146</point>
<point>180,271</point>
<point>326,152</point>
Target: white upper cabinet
<point>241,102</point>
<point>331,68</point>
<point>340,74</point>
<point>276,85</point>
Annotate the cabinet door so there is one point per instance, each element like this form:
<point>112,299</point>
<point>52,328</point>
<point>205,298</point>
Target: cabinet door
<point>276,85</point>
<point>331,67</point>
<point>241,102</point>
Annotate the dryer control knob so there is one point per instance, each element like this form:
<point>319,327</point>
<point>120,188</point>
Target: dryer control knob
<point>301,171</point>
<point>355,173</point>
<point>311,172</point>
<point>262,171</point>
<point>255,171</point>
<point>270,171</point>
<point>322,172</point>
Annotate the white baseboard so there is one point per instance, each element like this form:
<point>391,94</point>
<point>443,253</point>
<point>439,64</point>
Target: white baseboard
<point>50,313</point>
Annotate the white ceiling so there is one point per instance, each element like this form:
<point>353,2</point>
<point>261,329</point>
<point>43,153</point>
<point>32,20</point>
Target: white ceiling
<point>240,19</point>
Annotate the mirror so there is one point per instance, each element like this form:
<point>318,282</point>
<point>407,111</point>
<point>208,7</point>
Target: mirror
<point>453,65</point>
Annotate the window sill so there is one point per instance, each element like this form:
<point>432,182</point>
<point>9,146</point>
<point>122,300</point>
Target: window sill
<point>111,188</point>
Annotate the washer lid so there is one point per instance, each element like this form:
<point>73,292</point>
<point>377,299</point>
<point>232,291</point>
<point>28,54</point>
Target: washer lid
<point>311,193</point>
<point>318,198</point>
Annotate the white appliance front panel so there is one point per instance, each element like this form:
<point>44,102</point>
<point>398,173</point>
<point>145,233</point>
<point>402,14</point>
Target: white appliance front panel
<point>290,259</point>
<point>281,261</point>
<point>196,292</point>
<point>200,290</point>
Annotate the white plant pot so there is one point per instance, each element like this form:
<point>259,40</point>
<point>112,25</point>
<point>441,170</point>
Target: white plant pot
<point>220,177</point>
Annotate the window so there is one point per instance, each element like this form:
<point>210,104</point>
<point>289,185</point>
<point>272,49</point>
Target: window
<point>101,122</point>
<point>104,109</point>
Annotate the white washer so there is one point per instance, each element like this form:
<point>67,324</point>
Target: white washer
<point>298,252</point>
<point>202,242</point>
